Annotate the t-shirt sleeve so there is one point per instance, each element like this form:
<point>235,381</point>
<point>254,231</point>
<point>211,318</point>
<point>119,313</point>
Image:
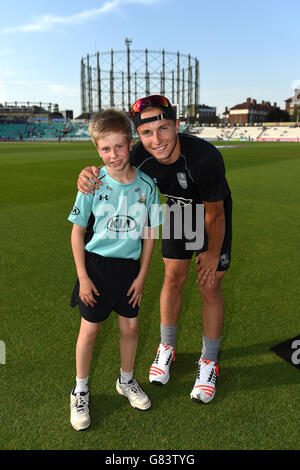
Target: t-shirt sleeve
<point>212,183</point>
<point>155,216</point>
<point>82,209</point>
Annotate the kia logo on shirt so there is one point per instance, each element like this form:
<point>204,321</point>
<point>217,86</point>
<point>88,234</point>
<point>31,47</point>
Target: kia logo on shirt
<point>121,223</point>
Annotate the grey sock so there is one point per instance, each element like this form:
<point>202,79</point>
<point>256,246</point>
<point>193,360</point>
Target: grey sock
<point>168,335</point>
<point>210,348</point>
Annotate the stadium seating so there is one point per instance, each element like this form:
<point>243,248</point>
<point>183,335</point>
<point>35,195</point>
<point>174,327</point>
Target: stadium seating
<point>183,128</point>
<point>11,131</point>
<point>284,134</point>
<point>44,131</point>
<point>39,131</point>
<point>247,133</point>
<point>213,133</point>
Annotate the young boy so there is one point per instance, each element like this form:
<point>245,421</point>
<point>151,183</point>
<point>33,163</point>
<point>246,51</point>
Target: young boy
<point>110,275</point>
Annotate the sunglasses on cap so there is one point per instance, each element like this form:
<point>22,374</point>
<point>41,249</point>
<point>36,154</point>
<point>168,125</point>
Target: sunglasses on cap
<point>156,101</point>
<point>153,100</point>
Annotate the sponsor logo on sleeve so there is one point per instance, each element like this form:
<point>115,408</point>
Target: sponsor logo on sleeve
<point>75,211</point>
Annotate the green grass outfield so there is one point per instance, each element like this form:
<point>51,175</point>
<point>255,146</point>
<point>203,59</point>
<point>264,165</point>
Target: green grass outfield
<point>257,400</point>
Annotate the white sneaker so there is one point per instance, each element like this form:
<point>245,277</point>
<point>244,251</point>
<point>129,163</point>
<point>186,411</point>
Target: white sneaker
<point>79,405</point>
<point>135,394</point>
<point>205,386</point>
<point>160,370</point>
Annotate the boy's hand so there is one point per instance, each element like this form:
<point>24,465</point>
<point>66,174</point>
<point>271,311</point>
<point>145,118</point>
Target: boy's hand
<point>86,290</point>
<point>137,288</point>
<point>84,184</point>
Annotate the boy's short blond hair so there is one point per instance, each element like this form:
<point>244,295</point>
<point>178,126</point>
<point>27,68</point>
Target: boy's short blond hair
<point>108,121</point>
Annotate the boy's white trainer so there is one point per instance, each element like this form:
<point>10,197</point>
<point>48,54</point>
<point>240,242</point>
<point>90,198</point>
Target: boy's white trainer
<point>135,394</point>
<point>205,385</point>
<point>79,405</point>
<point>160,370</point>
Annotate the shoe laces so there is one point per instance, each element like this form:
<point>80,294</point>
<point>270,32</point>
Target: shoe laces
<point>157,357</point>
<point>170,358</point>
<point>134,386</point>
<point>212,375</point>
<point>81,402</point>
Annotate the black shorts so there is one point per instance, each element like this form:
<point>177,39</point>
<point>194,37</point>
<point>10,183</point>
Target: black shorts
<point>176,248</point>
<point>113,278</point>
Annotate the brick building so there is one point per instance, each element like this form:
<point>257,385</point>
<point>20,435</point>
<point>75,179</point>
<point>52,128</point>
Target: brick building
<point>206,114</point>
<point>250,111</point>
<point>292,102</point>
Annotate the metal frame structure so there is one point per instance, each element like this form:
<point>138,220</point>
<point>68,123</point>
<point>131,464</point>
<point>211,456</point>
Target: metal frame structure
<point>115,79</point>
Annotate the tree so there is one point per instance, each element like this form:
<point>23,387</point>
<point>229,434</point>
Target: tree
<point>296,114</point>
<point>278,115</point>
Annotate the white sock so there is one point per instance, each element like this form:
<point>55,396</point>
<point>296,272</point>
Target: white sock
<point>81,385</point>
<point>126,376</point>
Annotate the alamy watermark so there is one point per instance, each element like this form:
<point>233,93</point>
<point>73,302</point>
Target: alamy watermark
<point>2,352</point>
<point>295,358</point>
<point>180,221</point>
<point>289,350</point>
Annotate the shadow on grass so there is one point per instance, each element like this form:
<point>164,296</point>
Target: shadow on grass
<point>257,377</point>
<point>103,406</point>
<point>249,350</point>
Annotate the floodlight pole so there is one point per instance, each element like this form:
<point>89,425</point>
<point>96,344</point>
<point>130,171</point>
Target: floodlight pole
<point>178,80</point>
<point>83,87</point>
<point>111,86</point>
<point>147,76</point>
<point>99,83</point>
<point>163,75</point>
<point>196,86</point>
<point>128,42</point>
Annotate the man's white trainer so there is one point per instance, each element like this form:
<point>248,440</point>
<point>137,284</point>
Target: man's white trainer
<point>135,394</point>
<point>160,370</point>
<point>79,405</point>
<point>205,385</point>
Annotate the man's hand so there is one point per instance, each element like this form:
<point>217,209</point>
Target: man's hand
<point>84,184</point>
<point>206,268</point>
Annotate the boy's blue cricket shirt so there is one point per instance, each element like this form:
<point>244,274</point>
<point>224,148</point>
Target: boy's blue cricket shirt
<point>121,213</point>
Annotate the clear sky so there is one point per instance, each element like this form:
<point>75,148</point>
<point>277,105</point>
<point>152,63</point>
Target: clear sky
<point>245,48</point>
